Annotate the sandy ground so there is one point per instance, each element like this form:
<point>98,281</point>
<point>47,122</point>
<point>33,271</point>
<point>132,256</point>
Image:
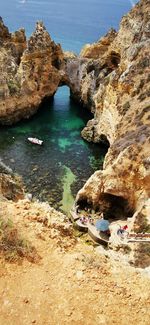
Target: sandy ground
<point>72,284</point>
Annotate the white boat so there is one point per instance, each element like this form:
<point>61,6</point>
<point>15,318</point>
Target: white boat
<point>35,141</point>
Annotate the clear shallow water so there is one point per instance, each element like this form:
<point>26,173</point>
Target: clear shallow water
<point>69,22</point>
<point>59,168</point>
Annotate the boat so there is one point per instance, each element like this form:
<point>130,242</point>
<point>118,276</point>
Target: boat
<point>79,225</point>
<point>97,236</point>
<point>83,223</point>
<point>35,141</point>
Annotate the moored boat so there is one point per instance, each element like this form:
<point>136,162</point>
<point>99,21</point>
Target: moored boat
<point>97,236</point>
<point>35,141</point>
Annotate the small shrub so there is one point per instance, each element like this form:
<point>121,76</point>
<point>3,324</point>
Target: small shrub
<point>12,247</point>
<point>13,86</point>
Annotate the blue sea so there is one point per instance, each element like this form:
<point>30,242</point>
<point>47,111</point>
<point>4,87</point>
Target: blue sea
<point>57,170</point>
<point>69,22</point>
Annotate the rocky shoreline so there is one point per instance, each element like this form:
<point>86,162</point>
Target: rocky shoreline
<point>111,78</point>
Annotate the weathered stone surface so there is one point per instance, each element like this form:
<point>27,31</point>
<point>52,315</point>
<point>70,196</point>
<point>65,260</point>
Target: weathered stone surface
<point>96,50</point>
<point>30,71</point>
<point>11,186</point>
<point>120,98</point>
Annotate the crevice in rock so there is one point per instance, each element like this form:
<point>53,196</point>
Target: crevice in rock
<point>113,60</point>
<point>56,63</point>
<point>104,140</point>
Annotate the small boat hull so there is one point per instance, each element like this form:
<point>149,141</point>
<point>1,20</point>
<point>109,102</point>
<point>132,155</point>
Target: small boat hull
<point>80,226</point>
<point>35,141</point>
<point>96,236</point>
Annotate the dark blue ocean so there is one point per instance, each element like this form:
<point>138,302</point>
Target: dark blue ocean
<point>69,22</point>
<point>58,169</point>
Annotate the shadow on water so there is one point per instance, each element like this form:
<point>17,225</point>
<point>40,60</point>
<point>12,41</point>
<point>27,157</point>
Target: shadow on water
<point>59,168</point>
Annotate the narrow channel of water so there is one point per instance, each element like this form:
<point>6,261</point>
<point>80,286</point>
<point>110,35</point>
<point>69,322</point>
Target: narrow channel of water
<point>59,168</point>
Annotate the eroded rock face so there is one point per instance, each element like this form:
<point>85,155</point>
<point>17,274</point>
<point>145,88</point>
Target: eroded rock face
<point>30,71</point>
<point>117,84</point>
<point>97,50</point>
<point>11,186</point>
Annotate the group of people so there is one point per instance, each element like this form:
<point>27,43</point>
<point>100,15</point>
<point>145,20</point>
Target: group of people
<point>102,225</point>
<point>85,220</point>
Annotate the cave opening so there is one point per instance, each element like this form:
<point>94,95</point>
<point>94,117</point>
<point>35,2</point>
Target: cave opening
<point>115,207</point>
<point>104,140</point>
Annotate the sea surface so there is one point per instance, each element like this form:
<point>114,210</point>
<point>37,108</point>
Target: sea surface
<point>59,168</point>
<point>69,22</point>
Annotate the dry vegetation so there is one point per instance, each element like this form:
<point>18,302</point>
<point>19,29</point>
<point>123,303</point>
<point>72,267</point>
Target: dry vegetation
<point>12,247</point>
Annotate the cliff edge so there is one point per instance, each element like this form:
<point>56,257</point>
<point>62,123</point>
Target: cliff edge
<point>114,83</point>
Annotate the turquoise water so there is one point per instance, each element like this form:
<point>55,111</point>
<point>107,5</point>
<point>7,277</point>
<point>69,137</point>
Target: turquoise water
<point>59,168</point>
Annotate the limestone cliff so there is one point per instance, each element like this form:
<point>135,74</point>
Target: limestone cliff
<point>29,71</point>
<point>112,78</point>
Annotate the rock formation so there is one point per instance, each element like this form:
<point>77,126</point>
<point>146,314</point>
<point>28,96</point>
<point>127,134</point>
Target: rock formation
<point>11,186</point>
<point>29,72</point>
<point>113,80</point>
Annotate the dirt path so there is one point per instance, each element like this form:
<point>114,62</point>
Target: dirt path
<point>69,286</point>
